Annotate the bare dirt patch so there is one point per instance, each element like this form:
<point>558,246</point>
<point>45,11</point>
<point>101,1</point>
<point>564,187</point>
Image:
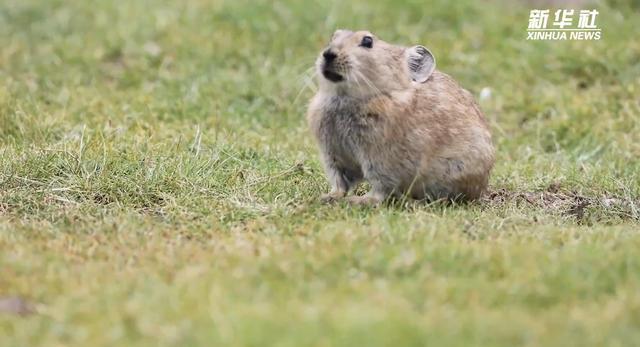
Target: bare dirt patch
<point>569,203</point>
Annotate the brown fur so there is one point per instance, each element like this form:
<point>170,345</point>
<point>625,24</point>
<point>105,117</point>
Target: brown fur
<point>423,139</point>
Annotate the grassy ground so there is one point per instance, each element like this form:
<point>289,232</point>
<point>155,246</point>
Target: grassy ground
<point>158,184</point>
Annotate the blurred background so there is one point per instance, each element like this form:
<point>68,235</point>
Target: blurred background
<point>244,63</point>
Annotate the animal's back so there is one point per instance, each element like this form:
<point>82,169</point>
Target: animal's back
<point>460,152</point>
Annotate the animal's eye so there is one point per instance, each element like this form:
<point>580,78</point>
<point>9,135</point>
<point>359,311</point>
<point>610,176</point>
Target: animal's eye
<point>367,42</point>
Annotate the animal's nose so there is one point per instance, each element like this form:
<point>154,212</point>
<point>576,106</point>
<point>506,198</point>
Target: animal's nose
<point>329,56</point>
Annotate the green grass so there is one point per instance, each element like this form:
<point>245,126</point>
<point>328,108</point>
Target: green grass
<point>158,185</point>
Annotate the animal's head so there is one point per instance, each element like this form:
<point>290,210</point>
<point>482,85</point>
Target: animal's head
<point>358,63</point>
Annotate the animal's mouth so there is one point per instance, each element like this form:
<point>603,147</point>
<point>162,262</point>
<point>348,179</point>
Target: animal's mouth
<point>332,76</point>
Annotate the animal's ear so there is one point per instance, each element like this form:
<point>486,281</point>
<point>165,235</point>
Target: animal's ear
<point>421,63</point>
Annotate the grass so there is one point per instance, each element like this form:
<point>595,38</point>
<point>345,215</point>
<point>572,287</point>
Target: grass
<point>158,185</point>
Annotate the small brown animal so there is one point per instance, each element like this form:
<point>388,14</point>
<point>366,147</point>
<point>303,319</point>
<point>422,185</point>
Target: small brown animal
<point>384,114</point>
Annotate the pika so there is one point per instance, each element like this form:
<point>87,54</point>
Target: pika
<point>385,115</point>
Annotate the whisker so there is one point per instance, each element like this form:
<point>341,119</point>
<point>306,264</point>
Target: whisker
<point>376,90</point>
<point>307,84</point>
<point>358,71</point>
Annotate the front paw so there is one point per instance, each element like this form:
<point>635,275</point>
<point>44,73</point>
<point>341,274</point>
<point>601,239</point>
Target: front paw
<point>331,197</point>
<point>365,200</point>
